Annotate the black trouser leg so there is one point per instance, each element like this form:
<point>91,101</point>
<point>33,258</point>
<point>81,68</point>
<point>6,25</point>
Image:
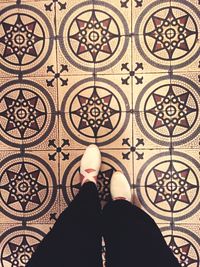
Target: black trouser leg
<point>75,240</point>
<point>133,239</point>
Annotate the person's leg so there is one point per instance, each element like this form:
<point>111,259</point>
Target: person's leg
<point>131,236</point>
<point>75,239</point>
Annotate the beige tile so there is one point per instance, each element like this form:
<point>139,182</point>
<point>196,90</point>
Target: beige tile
<point>153,51</point>
<point>39,65</point>
<point>184,243</point>
<point>37,9</point>
<point>29,45</point>
<point>15,235</point>
<point>29,187</point>
<point>167,183</point>
<point>153,137</point>
<point>186,165</point>
<point>115,134</point>
<point>174,99</point>
<point>69,95</point>
<point>69,129</point>
<point>152,84</point>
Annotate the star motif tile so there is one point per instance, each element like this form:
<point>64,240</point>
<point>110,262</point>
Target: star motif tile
<point>123,75</point>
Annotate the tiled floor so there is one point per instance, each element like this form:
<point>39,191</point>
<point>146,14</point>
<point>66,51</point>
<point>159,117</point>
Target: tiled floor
<point>124,75</point>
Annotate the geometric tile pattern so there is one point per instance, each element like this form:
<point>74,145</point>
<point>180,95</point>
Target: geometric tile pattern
<point>121,74</point>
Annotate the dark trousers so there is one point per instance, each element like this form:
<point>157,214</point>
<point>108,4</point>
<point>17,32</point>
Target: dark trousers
<point>131,236</point>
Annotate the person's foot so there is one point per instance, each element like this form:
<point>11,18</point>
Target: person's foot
<point>119,187</point>
<point>90,164</point>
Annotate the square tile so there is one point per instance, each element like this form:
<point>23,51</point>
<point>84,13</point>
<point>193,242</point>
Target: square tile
<point>10,136</point>
<point>72,129</point>
<point>153,134</point>
<point>185,114</point>
<point>77,92</point>
<point>151,166</point>
<point>151,92</point>
<point>114,86</point>
<point>41,60</point>
<point>29,186</point>
<point>75,65</point>
<point>119,53</point>
<point>27,38</point>
<point>183,241</point>
<point>114,131</point>
<point>185,190</point>
<point>144,52</point>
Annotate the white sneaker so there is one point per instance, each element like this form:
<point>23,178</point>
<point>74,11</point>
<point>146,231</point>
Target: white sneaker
<point>90,164</point>
<point>119,187</point>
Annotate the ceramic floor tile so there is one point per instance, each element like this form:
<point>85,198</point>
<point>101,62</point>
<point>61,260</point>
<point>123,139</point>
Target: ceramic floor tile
<point>123,75</point>
<point>185,111</point>
<point>152,89</point>
<point>76,93</point>
<point>155,135</point>
<point>114,131</point>
<point>29,186</point>
<point>27,38</point>
<point>184,243</point>
<point>152,182</point>
<point>70,128</point>
<point>166,33</point>
<point>28,113</point>
<point>186,185</point>
<point>13,242</point>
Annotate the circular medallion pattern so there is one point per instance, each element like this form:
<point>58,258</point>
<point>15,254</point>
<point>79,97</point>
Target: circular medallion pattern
<point>71,178</point>
<point>24,39</point>
<point>94,111</point>
<point>171,110</point>
<point>26,113</point>
<point>170,185</point>
<point>92,36</point>
<point>168,34</point>
<point>27,187</point>
<point>18,245</point>
<point>184,244</point>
